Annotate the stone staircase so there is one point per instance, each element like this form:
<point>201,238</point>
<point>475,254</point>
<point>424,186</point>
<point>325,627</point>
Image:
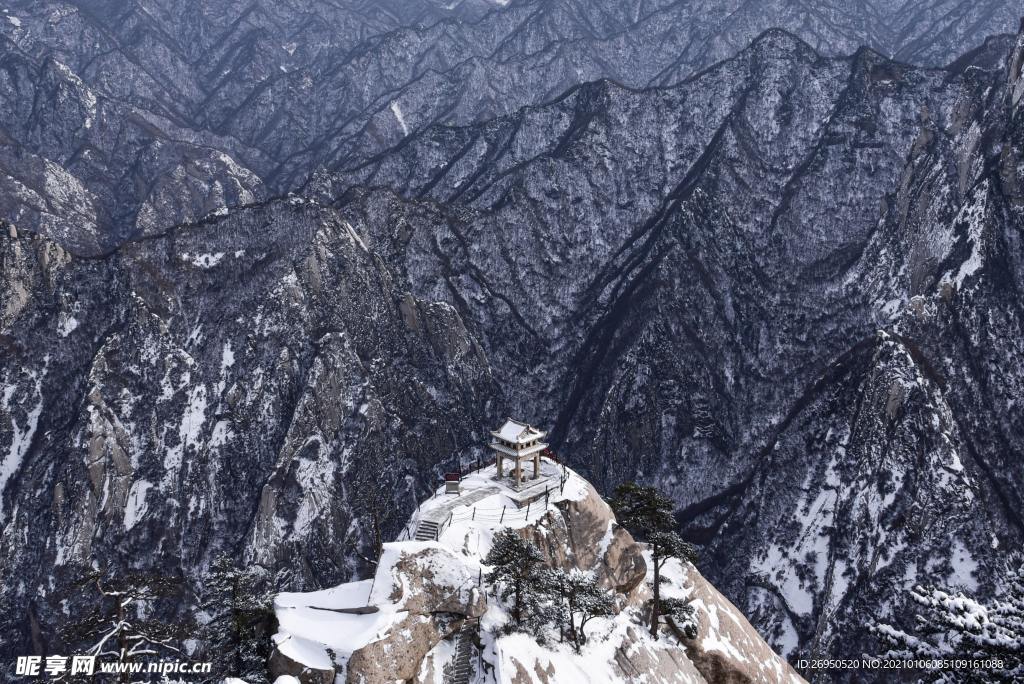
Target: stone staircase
<point>426,531</point>
<point>459,670</point>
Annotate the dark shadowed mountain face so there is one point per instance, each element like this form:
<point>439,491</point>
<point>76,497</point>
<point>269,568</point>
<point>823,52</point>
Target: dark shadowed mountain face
<point>785,287</point>
<point>255,385</point>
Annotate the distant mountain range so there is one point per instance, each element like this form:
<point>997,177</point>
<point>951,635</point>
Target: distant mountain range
<point>149,114</point>
<point>255,254</point>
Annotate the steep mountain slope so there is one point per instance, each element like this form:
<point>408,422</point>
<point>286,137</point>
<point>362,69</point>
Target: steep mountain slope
<point>255,385</point>
<point>429,600</point>
<point>168,109</point>
<point>787,289</point>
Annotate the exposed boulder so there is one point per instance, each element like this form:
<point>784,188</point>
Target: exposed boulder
<point>420,594</point>
<point>399,655</point>
<point>582,533</point>
<point>434,580</point>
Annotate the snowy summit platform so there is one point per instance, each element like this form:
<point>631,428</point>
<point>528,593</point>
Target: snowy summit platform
<point>344,619</point>
<point>428,615</point>
<point>491,500</point>
<point>518,442</point>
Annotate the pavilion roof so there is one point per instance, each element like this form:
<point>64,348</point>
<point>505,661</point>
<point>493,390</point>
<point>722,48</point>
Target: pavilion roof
<point>516,432</point>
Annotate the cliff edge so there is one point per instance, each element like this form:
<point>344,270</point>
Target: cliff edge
<point>428,614</point>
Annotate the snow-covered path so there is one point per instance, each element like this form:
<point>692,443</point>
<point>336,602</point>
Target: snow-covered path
<point>439,512</point>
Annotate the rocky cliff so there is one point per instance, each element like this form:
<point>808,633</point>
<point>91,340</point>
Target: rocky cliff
<point>218,389</point>
<point>405,623</point>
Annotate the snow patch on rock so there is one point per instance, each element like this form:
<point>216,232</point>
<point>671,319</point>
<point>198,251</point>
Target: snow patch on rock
<point>399,117</point>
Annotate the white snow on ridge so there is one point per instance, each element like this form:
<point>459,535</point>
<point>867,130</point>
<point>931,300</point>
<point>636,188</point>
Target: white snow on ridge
<point>194,417</point>
<point>227,359</point>
<point>66,325</point>
<point>310,475</point>
<point>397,111</point>
<point>203,260</point>
<point>14,21</point>
<point>964,567</point>
<point>355,236</point>
<point>88,98</point>
<point>973,213</point>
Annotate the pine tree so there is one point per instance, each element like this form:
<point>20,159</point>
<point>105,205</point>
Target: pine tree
<point>580,595</point>
<point>372,494</point>
<point>665,546</point>
<point>237,635</point>
<point>647,514</point>
<point>122,626</point>
<point>642,510</point>
<point>682,614</point>
<point>953,625</point>
<point>515,563</point>
<point>541,609</point>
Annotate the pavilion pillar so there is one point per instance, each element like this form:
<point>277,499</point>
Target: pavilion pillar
<point>536,465</point>
<point>519,472</point>
<point>499,464</point>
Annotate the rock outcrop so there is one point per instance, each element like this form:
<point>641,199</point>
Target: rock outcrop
<point>582,534</point>
<point>423,592</point>
<point>435,591</point>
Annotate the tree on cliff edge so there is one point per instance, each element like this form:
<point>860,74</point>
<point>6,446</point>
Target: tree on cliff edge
<point>123,624</point>
<point>647,514</point>
<point>514,562</point>
<point>239,603</point>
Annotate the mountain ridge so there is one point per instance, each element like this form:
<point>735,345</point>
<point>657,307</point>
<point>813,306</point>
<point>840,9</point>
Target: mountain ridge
<point>786,289</point>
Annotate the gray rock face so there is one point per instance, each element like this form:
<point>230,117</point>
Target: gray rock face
<point>220,389</point>
<point>432,609</point>
<point>584,536</point>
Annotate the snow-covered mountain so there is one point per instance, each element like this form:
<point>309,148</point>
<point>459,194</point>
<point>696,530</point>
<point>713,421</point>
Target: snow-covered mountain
<point>786,289</point>
<point>784,286</point>
<point>218,390</point>
<point>428,603</point>
<point>124,118</point>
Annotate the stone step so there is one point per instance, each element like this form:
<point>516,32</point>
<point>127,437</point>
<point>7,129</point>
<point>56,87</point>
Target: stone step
<point>458,670</point>
<point>426,530</point>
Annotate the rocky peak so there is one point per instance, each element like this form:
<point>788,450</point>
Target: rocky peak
<point>406,622</point>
